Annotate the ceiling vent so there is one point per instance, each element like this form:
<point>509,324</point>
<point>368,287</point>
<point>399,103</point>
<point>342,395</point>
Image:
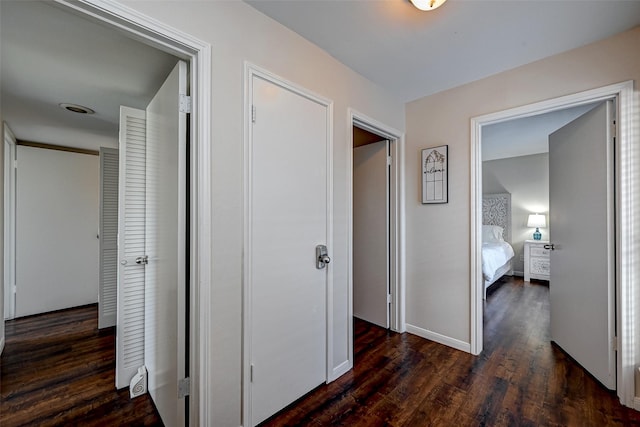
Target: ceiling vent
<point>75,108</point>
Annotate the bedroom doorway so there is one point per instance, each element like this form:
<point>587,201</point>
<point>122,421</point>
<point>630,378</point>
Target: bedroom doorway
<point>621,93</point>
<point>375,170</point>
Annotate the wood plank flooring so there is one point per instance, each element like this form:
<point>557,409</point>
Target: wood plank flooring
<point>520,379</point>
<point>57,369</point>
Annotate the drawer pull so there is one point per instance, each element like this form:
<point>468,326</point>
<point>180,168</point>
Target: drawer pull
<point>550,246</point>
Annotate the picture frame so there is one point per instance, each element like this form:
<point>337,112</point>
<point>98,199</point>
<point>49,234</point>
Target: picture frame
<point>435,174</point>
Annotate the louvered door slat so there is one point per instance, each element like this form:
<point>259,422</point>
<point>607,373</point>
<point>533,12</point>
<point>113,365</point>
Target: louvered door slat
<point>108,289</point>
<point>131,244</point>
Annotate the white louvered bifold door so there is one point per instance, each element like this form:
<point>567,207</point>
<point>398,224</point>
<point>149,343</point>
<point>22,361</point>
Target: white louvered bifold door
<point>131,245</point>
<point>107,298</point>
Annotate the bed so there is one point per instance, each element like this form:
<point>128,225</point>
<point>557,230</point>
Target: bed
<point>497,252</point>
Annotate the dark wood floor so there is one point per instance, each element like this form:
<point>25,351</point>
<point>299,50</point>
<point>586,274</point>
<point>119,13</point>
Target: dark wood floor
<point>520,379</point>
<point>57,369</point>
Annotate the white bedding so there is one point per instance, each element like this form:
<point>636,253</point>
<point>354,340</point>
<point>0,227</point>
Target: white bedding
<point>494,256</point>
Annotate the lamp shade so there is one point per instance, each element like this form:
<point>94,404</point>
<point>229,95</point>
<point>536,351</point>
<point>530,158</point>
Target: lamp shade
<point>537,220</point>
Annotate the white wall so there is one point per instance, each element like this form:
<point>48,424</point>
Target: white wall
<point>438,240</point>
<point>239,33</point>
<point>57,201</point>
<point>527,179</point>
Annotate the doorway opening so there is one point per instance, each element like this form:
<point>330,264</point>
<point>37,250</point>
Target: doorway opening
<point>376,236</point>
<point>372,269</point>
<point>198,200</point>
<point>625,218</point>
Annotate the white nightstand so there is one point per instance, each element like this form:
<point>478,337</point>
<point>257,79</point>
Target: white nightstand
<point>537,264</point>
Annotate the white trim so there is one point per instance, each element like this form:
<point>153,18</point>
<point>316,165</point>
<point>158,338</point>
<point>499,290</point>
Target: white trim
<point>440,339</point>
<point>2,343</point>
<point>251,71</point>
<point>636,403</point>
<point>157,34</point>
<point>341,369</point>
<point>626,222</point>
<point>9,279</point>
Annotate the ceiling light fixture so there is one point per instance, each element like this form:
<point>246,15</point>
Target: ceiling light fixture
<point>75,108</point>
<point>427,4</point>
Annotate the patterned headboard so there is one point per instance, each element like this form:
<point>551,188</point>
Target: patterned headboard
<point>496,210</point>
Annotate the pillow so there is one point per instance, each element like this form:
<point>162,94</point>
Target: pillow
<point>492,233</point>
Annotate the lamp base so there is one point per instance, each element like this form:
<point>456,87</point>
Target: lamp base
<point>537,235</point>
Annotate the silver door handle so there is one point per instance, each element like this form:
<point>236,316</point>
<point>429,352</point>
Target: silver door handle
<point>142,260</point>
<point>322,258</point>
<point>550,246</point>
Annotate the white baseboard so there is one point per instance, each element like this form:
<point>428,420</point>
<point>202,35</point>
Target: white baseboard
<point>1,345</point>
<point>340,370</point>
<point>518,273</point>
<point>439,338</point>
<point>636,403</point>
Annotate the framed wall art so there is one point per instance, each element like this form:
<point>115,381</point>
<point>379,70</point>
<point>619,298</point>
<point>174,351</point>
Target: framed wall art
<point>435,169</point>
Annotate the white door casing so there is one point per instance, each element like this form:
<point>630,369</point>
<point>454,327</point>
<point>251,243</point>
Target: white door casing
<point>131,245</point>
<point>581,222</point>
<point>108,234</point>
<point>165,243</point>
<point>288,213</point>
<point>371,233</point>
<point>9,223</point>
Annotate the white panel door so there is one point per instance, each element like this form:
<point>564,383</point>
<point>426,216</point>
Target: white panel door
<point>288,218</point>
<point>581,221</point>
<point>165,246</point>
<point>371,233</point>
<point>108,289</point>
<point>131,223</point>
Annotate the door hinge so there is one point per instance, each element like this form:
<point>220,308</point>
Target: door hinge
<point>253,114</point>
<point>251,373</point>
<point>15,164</point>
<point>389,300</point>
<point>185,104</point>
<point>389,160</point>
<point>614,343</point>
<point>184,387</point>
<point>14,289</point>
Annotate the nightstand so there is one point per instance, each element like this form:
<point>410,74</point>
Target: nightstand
<point>537,263</point>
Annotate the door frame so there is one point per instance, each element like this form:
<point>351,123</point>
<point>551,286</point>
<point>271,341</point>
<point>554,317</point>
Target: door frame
<point>396,221</point>
<point>252,71</point>
<point>198,55</point>
<point>9,288</point>
<point>627,219</point>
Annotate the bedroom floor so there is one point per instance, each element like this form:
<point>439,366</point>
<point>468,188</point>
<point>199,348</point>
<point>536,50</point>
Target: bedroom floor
<point>521,379</point>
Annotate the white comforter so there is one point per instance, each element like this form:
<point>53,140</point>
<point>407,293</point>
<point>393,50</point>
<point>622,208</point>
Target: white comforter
<point>494,256</point>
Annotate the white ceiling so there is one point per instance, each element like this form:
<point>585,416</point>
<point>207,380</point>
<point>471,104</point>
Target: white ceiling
<point>50,56</point>
<point>414,53</point>
<point>523,137</point>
